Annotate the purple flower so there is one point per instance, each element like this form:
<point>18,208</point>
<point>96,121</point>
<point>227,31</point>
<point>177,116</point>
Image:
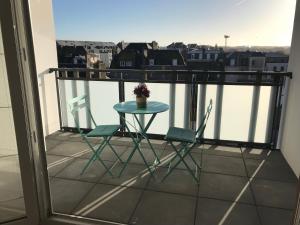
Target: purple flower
<point>141,90</point>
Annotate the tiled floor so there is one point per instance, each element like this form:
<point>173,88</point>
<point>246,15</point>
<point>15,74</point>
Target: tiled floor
<point>237,186</point>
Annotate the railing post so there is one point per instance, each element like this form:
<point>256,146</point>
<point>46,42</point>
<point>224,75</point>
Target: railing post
<point>271,111</point>
<point>122,99</point>
<point>142,116</point>
<point>58,98</point>
<point>193,104</point>
<point>254,112</point>
<point>218,111</point>
<point>187,105</point>
<point>202,101</point>
<point>172,100</point>
<point>63,100</point>
<point>74,93</point>
<point>86,87</point>
<point>283,100</point>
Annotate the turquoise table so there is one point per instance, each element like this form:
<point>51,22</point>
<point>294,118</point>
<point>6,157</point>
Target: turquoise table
<point>153,108</point>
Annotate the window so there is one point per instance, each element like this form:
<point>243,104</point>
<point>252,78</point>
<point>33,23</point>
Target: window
<point>151,62</point>
<point>216,56</point>
<point>274,68</point>
<point>232,62</point>
<point>174,62</point>
<point>208,56</point>
<point>200,56</point>
<point>122,63</point>
<point>282,68</point>
<point>128,63</point>
<point>192,56</point>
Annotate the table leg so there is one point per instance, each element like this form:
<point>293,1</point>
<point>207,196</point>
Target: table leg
<point>136,148</point>
<point>144,134</point>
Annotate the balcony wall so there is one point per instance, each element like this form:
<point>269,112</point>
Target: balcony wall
<point>44,41</point>
<point>291,131</point>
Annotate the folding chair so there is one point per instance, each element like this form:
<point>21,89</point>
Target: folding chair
<point>188,139</point>
<point>102,131</point>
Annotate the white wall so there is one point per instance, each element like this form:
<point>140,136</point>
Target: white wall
<point>291,130</point>
<point>44,39</point>
<point>8,144</point>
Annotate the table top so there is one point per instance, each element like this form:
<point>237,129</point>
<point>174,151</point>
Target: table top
<point>131,108</point>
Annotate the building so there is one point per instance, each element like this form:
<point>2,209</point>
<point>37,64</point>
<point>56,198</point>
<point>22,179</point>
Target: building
<point>205,58</point>
<point>101,51</point>
<point>147,56</point>
<point>277,62</point>
<point>245,61</point>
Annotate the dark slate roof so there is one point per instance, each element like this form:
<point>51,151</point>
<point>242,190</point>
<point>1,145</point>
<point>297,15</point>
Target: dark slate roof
<point>138,46</point>
<point>165,57</point>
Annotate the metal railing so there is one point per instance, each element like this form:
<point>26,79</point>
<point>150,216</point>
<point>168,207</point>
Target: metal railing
<point>195,84</point>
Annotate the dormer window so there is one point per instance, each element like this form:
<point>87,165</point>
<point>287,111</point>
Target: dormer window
<point>151,62</point>
<point>122,63</point>
<point>174,62</point>
<point>192,56</point>
<point>128,63</point>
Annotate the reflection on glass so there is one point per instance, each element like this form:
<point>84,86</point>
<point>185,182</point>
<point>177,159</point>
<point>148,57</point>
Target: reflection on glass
<point>11,192</point>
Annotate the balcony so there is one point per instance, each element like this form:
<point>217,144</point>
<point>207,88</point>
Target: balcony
<point>249,150</point>
<point>237,185</point>
<point>244,174</point>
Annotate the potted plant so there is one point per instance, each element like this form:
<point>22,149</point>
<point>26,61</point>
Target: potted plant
<point>142,93</point>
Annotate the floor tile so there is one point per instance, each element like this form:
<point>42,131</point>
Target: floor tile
<point>225,187</point>
<point>179,181</point>
<point>273,216</point>
<point>254,153</point>
<point>10,182</point>
<point>147,153</point>
<point>56,163</point>
<point>134,175</point>
<point>107,153</point>
<point>223,151</point>
<point>66,194</point>
<point>225,165</point>
<point>7,214</point>
<point>158,208</point>
<point>63,136</point>
<point>273,168</point>
<point>51,143</point>
<point>274,194</point>
<point>110,203</point>
<point>70,148</point>
<point>167,155</point>
<point>210,211</point>
<point>92,174</point>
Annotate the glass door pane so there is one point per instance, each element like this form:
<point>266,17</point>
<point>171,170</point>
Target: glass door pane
<point>11,191</point>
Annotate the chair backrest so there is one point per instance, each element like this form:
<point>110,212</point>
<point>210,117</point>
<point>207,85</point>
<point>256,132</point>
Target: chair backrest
<point>204,120</point>
<point>75,105</point>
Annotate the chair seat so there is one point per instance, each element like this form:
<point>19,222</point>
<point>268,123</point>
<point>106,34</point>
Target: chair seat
<point>181,134</point>
<point>103,130</point>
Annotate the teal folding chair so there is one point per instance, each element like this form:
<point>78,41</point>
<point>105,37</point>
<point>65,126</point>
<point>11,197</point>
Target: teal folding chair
<point>102,131</point>
<point>188,138</point>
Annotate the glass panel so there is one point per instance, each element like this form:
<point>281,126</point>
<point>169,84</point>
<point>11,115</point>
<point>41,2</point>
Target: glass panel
<point>262,115</point>
<point>236,112</point>
<point>179,105</point>
<point>103,96</point>
<point>11,191</point>
<point>158,92</point>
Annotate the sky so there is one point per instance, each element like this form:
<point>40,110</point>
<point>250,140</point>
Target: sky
<point>247,22</point>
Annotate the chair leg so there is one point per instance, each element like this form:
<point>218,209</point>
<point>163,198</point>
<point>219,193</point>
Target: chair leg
<point>96,154</point>
<point>114,151</point>
<point>181,159</point>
